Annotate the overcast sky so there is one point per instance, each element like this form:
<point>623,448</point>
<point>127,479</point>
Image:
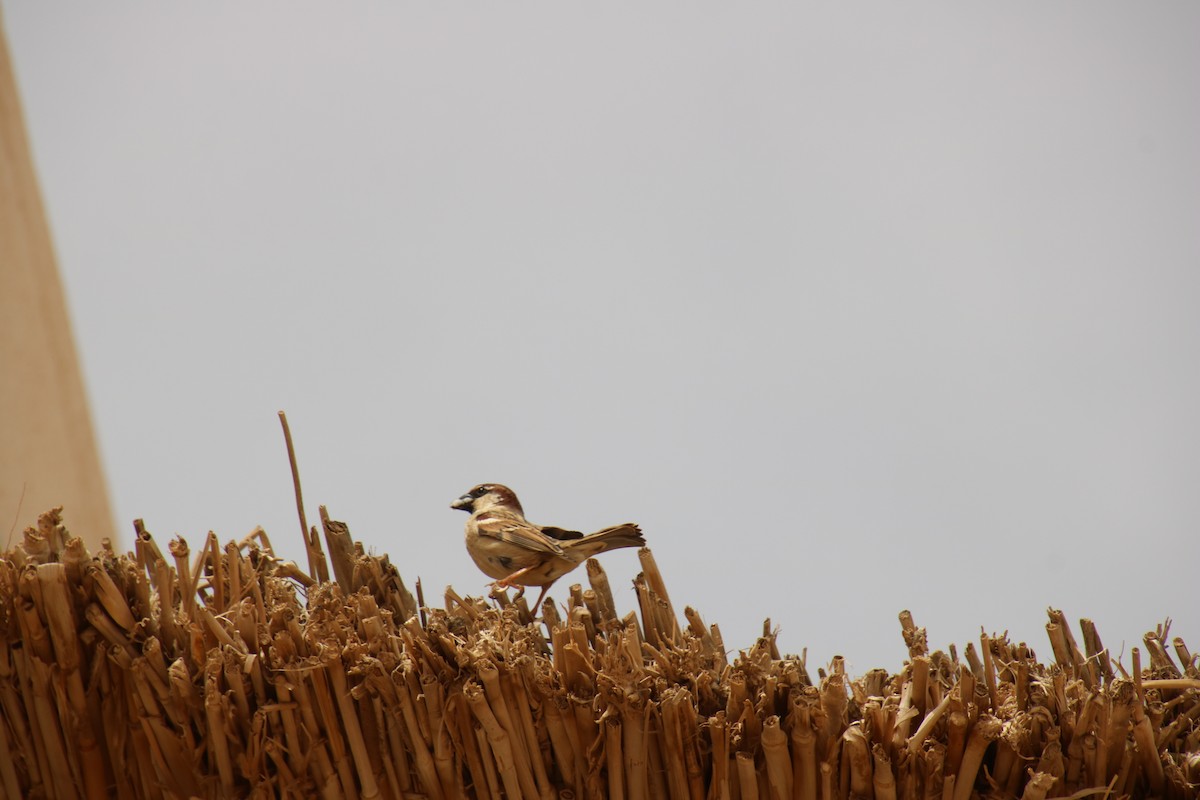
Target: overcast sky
<point>854,308</point>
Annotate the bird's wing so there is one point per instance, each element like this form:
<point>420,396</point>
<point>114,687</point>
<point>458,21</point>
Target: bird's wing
<point>516,531</point>
<point>560,533</point>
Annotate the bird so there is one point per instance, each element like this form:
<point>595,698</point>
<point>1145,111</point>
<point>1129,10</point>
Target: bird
<point>516,552</point>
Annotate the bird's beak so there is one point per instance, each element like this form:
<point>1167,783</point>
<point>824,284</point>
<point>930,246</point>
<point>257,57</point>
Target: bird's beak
<point>465,502</point>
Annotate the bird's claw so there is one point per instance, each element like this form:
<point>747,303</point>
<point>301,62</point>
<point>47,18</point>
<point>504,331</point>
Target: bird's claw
<point>500,586</point>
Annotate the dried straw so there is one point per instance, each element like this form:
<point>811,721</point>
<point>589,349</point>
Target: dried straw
<point>226,672</point>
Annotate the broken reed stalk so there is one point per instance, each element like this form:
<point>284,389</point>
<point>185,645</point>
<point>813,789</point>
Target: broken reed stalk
<point>291,451</point>
<point>228,672</point>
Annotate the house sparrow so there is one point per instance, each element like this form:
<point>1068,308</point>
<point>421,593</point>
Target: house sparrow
<point>514,551</point>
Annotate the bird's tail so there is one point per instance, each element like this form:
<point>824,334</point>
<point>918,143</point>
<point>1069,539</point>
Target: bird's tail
<point>618,536</point>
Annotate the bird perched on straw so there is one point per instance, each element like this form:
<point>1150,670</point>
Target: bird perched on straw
<point>515,552</point>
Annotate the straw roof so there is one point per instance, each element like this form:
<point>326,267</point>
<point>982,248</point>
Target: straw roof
<point>230,673</point>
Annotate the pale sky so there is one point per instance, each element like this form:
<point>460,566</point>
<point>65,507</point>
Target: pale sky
<point>854,308</point>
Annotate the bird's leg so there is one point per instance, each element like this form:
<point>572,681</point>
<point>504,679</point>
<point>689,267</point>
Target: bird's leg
<point>505,583</point>
<point>537,606</point>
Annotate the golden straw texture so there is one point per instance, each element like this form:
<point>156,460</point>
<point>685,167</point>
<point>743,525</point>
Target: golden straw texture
<point>224,672</point>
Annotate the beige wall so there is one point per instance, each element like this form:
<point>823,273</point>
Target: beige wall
<point>47,447</point>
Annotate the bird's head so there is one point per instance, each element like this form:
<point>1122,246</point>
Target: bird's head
<point>488,495</point>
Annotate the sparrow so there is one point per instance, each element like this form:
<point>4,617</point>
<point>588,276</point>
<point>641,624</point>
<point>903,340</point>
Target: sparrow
<point>515,552</point>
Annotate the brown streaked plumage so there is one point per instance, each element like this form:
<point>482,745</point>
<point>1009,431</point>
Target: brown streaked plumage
<point>515,552</point>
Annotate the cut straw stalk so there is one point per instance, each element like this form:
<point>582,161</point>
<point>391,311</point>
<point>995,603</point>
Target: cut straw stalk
<point>604,596</point>
<point>500,707</point>
<point>957,722</point>
<point>779,766</point>
<point>462,734</point>
<point>516,696</point>
<point>673,748</point>
<point>747,777</point>
<point>633,745</point>
<point>499,741</point>
<point>883,778</point>
<point>668,620</point>
<point>332,662</point>
<point>215,708</point>
<point>57,607</point>
<point>565,756</point>
<point>399,692</point>
<point>989,670</point>
<point>856,758</point>
<point>49,737</point>
<point>326,724</point>
<point>719,736</point>
<point>804,753</point>
<point>985,731</point>
<point>340,546</point>
<point>444,764</point>
<point>688,722</point>
<point>926,728</point>
<point>1147,751</point>
<point>612,754</point>
<point>655,766</point>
